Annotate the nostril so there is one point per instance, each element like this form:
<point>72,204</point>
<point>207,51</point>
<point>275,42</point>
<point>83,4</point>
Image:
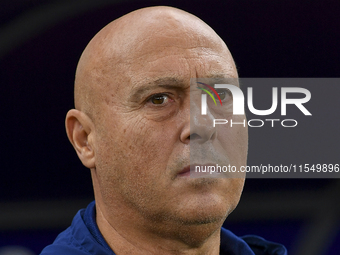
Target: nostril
<point>194,136</point>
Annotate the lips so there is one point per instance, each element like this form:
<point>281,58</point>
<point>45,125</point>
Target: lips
<point>186,171</point>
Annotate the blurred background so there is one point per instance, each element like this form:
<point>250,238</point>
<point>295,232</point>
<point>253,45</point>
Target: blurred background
<point>43,184</point>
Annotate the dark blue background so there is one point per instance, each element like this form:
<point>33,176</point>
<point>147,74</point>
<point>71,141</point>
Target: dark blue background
<point>267,39</point>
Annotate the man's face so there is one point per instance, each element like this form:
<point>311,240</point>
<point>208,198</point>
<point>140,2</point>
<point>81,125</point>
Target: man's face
<point>143,132</point>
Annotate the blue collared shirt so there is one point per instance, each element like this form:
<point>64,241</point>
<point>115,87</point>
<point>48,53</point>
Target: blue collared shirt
<point>84,238</point>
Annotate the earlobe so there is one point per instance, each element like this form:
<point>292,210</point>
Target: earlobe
<point>79,129</point>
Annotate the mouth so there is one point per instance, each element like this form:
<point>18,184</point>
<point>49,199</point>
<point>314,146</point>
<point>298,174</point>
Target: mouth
<point>197,171</point>
<point>185,172</point>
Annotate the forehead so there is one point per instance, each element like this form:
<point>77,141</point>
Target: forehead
<point>178,59</point>
<point>172,48</point>
<point>177,68</point>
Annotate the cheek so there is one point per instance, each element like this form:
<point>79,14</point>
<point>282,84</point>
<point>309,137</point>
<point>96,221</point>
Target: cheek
<point>133,161</point>
<point>135,147</point>
<point>145,142</point>
<point>235,141</point>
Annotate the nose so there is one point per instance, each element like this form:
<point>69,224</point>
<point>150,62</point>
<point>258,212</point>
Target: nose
<point>200,128</point>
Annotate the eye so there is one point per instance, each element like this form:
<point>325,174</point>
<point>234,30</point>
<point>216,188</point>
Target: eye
<point>159,99</point>
<point>223,94</point>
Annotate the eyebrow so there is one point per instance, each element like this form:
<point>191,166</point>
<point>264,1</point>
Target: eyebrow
<point>219,79</point>
<point>165,82</point>
<point>222,78</point>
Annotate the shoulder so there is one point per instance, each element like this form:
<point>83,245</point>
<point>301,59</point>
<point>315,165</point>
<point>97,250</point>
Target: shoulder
<point>261,246</point>
<point>249,245</point>
<point>55,249</point>
<point>68,241</point>
<point>76,239</point>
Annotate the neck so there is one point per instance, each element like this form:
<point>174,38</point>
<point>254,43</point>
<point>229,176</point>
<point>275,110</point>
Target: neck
<point>133,235</point>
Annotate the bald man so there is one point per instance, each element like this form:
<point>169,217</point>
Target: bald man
<point>132,128</point>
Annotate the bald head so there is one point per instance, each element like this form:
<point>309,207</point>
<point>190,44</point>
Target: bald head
<point>132,129</point>
<point>113,56</point>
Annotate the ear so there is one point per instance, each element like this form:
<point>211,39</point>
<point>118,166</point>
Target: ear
<point>79,129</point>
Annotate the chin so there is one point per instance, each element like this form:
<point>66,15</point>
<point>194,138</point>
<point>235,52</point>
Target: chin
<point>206,219</point>
<point>206,209</point>
<point>196,224</point>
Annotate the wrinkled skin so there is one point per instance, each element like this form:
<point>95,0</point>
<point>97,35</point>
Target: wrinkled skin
<point>131,127</point>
